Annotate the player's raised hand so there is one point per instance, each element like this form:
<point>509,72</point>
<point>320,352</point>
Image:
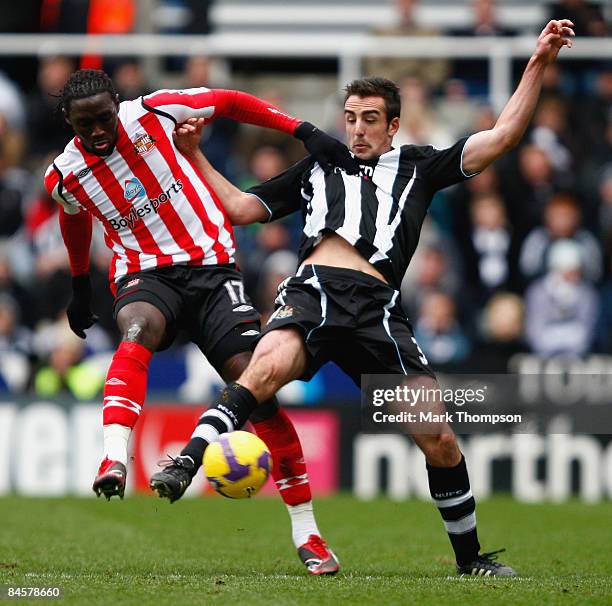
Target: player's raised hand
<point>326,150</point>
<point>187,135</point>
<point>554,36</point>
<point>80,315</point>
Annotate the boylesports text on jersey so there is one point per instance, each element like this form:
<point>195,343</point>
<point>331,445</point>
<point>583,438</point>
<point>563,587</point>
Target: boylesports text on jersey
<point>151,206</point>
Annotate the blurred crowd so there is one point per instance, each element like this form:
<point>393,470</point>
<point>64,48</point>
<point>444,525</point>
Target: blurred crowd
<point>517,259</point>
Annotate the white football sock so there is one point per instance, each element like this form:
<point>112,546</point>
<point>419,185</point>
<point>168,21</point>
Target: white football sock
<point>116,442</point>
<point>302,522</point>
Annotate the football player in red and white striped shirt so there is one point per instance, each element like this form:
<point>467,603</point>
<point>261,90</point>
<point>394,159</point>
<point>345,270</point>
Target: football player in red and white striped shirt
<point>173,254</point>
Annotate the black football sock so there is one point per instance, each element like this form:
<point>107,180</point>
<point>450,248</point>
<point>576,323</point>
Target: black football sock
<point>230,412</point>
<point>450,490</point>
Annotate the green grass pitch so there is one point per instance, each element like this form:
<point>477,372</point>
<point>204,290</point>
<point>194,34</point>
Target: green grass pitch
<point>215,551</point>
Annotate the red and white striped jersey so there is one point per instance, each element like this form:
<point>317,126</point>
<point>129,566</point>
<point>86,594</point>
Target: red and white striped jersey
<point>154,206</point>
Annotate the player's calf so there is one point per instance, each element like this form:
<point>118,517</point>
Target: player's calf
<point>275,428</point>
<point>451,492</point>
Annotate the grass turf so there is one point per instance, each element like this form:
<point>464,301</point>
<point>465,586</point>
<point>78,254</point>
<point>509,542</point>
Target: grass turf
<point>215,551</point>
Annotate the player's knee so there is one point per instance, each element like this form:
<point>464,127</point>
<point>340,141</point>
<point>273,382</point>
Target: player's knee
<point>137,329</point>
<point>140,322</point>
<point>143,329</point>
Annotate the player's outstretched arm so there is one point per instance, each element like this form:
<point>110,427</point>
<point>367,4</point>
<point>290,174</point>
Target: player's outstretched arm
<point>326,150</point>
<point>484,147</point>
<point>209,104</point>
<point>241,208</point>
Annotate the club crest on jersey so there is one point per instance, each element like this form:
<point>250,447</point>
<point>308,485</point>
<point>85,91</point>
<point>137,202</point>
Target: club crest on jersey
<point>143,144</point>
<point>133,189</point>
<point>286,311</point>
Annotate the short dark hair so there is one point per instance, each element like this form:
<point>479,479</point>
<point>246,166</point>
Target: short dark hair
<point>375,86</point>
<point>86,83</point>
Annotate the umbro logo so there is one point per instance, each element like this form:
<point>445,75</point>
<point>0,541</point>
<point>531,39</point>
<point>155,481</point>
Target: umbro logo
<point>83,173</point>
<point>131,283</point>
<point>250,333</point>
<point>243,308</point>
<point>115,381</point>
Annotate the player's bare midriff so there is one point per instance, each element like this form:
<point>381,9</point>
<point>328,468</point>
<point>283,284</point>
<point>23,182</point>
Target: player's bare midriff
<point>335,251</point>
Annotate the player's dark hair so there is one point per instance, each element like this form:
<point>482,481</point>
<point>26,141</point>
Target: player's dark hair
<point>376,86</point>
<point>85,83</point>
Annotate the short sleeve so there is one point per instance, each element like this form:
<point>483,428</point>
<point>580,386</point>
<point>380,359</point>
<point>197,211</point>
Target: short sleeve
<point>444,167</point>
<point>178,105</point>
<point>282,195</point>
<point>54,184</point>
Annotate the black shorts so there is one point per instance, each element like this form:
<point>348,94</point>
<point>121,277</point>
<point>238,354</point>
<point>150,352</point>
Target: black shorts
<point>349,318</point>
<point>209,302</point>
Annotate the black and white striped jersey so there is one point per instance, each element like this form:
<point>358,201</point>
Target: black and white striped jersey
<point>380,211</point>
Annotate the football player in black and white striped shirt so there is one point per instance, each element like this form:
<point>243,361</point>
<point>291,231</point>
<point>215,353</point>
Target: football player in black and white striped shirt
<point>360,232</point>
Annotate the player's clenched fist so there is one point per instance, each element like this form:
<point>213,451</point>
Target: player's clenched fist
<point>79,311</point>
<point>326,150</point>
<point>556,34</point>
<point>187,135</point>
